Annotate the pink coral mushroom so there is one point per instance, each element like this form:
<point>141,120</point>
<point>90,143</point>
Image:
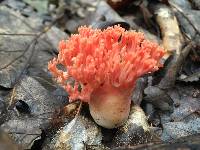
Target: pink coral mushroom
<point>105,66</point>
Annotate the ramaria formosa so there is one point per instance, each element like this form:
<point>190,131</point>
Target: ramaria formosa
<point>104,66</point>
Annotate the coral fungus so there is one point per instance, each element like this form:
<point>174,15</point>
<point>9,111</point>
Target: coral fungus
<point>104,66</point>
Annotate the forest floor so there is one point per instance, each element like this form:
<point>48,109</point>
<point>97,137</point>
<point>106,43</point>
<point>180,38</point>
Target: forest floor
<point>35,112</point>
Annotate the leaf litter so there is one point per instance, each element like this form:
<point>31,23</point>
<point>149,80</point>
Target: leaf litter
<point>32,105</point>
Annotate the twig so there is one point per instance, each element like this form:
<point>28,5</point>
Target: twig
<point>23,133</point>
<point>79,109</point>
<point>12,97</point>
<point>19,34</point>
<point>181,11</point>
<point>42,79</point>
<point>5,51</point>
